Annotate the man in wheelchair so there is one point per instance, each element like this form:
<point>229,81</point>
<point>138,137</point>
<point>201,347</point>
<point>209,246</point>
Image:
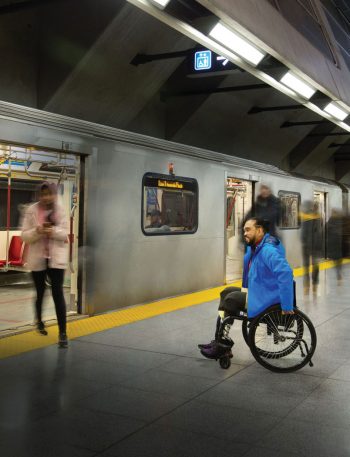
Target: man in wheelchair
<point>267,280</point>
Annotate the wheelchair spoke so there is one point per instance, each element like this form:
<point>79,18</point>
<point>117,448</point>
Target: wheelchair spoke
<point>282,342</point>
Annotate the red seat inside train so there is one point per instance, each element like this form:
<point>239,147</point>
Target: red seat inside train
<point>17,253</point>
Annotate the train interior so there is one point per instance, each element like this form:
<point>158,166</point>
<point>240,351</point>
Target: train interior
<point>239,194</point>
<point>21,170</point>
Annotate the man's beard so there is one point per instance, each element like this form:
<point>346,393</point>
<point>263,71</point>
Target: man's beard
<point>250,242</point>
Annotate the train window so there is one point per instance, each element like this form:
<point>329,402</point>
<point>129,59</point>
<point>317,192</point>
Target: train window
<point>170,205</point>
<point>22,193</point>
<point>290,205</point>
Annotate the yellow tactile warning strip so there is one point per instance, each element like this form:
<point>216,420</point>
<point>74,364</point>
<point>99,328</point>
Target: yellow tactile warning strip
<point>17,344</point>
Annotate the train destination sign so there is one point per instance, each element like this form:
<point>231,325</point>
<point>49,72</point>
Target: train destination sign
<point>170,184</point>
<point>160,181</point>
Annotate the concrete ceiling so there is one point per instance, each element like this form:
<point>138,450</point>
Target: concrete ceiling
<point>74,58</point>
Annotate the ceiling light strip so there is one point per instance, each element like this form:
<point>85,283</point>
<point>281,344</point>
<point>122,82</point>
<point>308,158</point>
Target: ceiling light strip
<point>335,111</point>
<point>160,3</point>
<point>236,43</point>
<point>298,85</point>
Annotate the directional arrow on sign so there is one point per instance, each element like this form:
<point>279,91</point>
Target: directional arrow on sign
<point>223,59</point>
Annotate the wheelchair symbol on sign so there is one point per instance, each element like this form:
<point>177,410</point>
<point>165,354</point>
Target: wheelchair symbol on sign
<point>202,60</point>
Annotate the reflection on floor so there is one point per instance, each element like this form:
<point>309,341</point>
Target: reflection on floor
<point>17,303</point>
<point>143,389</point>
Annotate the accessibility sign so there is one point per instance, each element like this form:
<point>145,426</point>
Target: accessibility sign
<point>206,61</point>
<point>202,60</point>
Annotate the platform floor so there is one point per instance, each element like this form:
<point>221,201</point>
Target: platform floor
<point>143,390</point>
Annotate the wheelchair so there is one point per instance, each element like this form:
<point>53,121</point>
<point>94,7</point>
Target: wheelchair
<point>282,343</point>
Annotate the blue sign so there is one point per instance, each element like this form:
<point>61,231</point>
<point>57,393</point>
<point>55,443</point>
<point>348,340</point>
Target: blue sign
<point>202,60</point>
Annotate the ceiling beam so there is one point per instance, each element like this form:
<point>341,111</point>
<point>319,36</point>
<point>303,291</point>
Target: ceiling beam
<point>305,147</point>
<point>261,109</point>
<point>12,7</point>
<point>165,95</point>
<point>302,123</point>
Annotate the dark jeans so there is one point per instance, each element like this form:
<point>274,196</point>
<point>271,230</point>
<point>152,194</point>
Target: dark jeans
<point>307,261</point>
<point>56,276</point>
<point>232,301</point>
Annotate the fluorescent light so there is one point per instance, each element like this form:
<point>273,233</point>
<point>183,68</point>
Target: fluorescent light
<point>236,43</point>
<point>335,111</point>
<point>298,85</point>
<point>160,3</point>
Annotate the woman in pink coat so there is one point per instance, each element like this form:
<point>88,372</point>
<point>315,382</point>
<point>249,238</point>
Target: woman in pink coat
<point>45,230</point>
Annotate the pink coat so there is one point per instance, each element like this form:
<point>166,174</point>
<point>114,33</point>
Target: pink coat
<point>57,243</point>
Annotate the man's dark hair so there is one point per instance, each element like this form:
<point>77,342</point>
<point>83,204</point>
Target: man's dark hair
<point>263,223</point>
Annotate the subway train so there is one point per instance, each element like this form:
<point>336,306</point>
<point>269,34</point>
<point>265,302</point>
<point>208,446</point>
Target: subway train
<point>149,218</point>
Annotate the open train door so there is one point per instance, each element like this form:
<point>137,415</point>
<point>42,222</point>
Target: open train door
<point>239,196</point>
<point>22,168</point>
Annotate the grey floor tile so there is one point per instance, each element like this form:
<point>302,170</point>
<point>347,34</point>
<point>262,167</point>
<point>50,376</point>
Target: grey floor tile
<point>173,384</point>
<point>138,404</point>
<point>141,358</point>
<point>171,345</point>
<point>121,336</point>
<point>308,439</point>
<point>78,427</point>
<point>103,372</point>
<point>259,378</point>
<point>199,367</point>
<point>250,398</point>
<point>157,441</point>
<point>342,373</point>
<point>33,363</point>
<point>324,365</point>
<point>323,412</point>
<point>264,452</point>
<point>34,399</point>
<point>332,390</point>
<point>222,422</point>
<point>43,448</point>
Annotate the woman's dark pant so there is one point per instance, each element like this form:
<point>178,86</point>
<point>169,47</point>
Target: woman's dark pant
<point>56,276</point>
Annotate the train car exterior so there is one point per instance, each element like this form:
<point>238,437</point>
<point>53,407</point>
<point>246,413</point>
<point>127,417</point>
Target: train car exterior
<point>121,264</point>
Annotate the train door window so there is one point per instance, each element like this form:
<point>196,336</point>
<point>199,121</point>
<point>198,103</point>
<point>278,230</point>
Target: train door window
<point>290,209</point>
<point>238,204</point>
<point>170,205</point>
<point>22,192</point>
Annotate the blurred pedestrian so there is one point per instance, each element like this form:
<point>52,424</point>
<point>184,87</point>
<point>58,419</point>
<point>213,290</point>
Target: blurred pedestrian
<point>45,230</point>
<point>267,207</point>
<point>335,240</point>
<point>311,240</point>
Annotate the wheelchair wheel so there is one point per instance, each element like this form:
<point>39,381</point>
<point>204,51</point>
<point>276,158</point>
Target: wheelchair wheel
<point>245,330</point>
<point>225,362</point>
<point>282,343</point>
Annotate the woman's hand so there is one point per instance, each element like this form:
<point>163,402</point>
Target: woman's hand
<point>45,230</point>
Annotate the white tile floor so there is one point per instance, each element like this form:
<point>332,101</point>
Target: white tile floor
<point>144,390</point>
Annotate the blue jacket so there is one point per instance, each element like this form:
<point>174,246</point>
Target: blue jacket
<point>269,279</point>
